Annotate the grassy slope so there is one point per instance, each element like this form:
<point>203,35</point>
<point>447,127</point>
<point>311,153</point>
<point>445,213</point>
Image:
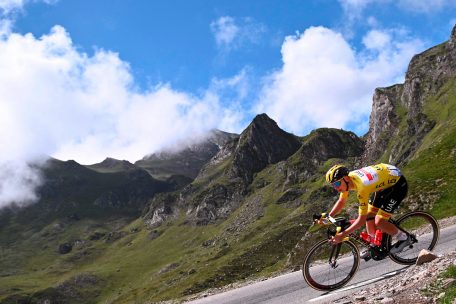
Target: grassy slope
<point>141,262</point>
<point>432,169</point>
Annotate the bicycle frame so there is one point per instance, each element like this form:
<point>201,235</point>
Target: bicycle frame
<point>356,237</point>
<point>378,252</point>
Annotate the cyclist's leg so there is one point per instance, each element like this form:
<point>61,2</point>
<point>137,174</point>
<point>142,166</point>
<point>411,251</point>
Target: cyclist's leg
<point>393,196</point>
<point>375,203</point>
<point>370,222</point>
<point>370,227</point>
<point>382,222</point>
<point>388,201</point>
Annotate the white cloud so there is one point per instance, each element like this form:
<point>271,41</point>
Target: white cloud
<point>354,9</point>
<point>325,83</point>
<point>9,9</point>
<point>377,40</point>
<point>18,180</point>
<point>231,33</point>
<point>425,6</point>
<point>7,6</point>
<point>225,30</point>
<point>58,101</point>
<point>55,100</point>
<point>234,92</point>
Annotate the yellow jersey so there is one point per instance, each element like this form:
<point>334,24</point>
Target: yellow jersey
<point>371,179</point>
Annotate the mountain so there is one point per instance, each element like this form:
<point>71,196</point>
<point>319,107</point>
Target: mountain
<point>403,110</point>
<point>261,144</point>
<point>111,165</point>
<point>114,233</point>
<point>71,190</point>
<point>187,159</point>
<point>222,184</point>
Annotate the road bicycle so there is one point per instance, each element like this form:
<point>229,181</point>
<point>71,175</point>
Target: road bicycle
<point>329,266</point>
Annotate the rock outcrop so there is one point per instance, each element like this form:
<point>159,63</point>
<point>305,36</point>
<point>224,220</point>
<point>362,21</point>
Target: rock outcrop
<point>261,144</point>
<point>426,74</point>
<point>319,146</point>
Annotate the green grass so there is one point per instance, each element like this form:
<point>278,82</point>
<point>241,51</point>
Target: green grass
<point>450,293</point>
<point>437,286</point>
<point>432,169</point>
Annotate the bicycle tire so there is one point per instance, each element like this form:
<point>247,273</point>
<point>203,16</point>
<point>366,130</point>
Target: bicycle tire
<point>424,228</point>
<point>342,274</point>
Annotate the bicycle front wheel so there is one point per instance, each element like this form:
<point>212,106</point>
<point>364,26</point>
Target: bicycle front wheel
<point>328,267</point>
<point>424,230</point>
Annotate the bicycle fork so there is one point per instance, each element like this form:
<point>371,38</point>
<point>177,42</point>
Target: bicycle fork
<point>334,255</point>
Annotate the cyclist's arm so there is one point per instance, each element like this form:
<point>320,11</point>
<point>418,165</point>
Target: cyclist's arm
<point>362,217</point>
<point>360,221</point>
<point>339,205</point>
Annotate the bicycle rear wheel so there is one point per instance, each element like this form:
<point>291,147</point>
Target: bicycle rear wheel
<point>424,231</point>
<point>328,267</point>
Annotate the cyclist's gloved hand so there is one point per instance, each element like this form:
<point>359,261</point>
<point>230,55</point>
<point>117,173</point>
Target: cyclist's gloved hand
<point>318,218</point>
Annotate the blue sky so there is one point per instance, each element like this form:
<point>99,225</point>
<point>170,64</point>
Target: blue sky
<point>86,80</point>
<point>174,41</point>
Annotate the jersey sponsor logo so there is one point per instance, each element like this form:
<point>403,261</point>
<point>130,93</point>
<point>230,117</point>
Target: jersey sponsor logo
<point>368,175</point>
<point>390,205</point>
<point>392,181</point>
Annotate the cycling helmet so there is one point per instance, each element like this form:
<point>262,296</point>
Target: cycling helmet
<point>336,172</point>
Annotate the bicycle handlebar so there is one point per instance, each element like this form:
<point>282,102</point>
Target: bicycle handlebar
<point>325,220</point>
<point>324,217</point>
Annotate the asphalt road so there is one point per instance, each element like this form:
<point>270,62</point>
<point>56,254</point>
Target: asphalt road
<point>291,288</point>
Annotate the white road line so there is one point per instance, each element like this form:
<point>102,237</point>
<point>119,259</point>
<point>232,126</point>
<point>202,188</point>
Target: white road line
<point>382,277</point>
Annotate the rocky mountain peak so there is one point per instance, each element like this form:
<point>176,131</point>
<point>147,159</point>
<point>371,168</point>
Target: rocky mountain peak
<point>452,41</point>
<point>325,143</point>
<point>263,120</point>
<point>426,74</point>
<point>260,144</point>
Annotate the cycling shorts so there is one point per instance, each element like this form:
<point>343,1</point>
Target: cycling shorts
<point>384,202</point>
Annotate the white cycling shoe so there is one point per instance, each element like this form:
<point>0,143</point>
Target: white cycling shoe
<point>400,245</point>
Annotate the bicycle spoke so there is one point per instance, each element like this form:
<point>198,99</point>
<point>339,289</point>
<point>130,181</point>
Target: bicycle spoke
<point>335,270</point>
<point>425,231</point>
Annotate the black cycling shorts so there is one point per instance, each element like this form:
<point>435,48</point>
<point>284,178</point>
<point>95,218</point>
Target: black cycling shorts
<point>389,199</point>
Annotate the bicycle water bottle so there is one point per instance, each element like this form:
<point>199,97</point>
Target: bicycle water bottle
<point>378,237</point>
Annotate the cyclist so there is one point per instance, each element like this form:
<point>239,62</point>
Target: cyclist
<point>380,189</point>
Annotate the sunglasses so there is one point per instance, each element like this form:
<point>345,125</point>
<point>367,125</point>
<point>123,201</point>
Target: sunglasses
<point>337,184</point>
